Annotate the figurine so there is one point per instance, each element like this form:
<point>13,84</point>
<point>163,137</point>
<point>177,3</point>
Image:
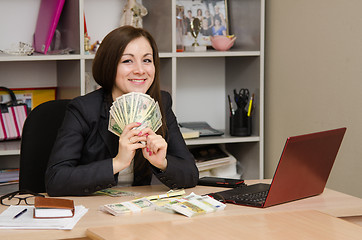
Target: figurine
<point>133,13</point>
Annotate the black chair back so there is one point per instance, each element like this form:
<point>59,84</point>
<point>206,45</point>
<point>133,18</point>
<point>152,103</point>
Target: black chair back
<point>38,136</point>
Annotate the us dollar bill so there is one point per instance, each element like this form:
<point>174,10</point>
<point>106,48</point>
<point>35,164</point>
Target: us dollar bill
<point>134,107</point>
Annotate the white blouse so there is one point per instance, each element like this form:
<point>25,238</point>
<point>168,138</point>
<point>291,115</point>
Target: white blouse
<point>125,177</point>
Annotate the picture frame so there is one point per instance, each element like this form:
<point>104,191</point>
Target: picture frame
<point>212,15</point>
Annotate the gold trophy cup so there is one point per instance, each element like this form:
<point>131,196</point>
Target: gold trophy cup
<point>195,30</point>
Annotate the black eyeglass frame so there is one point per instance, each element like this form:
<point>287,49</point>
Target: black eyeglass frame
<point>20,192</point>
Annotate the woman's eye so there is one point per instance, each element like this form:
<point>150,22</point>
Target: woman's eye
<point>148,60</point>
<point>127,61</point>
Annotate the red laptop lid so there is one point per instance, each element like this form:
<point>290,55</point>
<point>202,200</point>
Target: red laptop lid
<point>304,166</point>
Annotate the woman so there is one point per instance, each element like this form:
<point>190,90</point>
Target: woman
<point>218,29</point>
<point>199,14</point>
<point>86,157</point>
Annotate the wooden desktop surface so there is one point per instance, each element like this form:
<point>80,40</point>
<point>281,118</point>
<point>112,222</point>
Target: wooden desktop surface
<point>329,202</point>
<point>297,225</point>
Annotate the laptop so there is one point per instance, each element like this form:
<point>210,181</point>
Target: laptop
<point>302,171</point>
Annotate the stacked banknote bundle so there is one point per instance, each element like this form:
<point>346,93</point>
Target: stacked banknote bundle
<point>128,207</point>
<point>134,107</point>
<point>191,205</point>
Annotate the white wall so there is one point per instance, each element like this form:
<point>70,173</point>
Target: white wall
<point>313,80</point>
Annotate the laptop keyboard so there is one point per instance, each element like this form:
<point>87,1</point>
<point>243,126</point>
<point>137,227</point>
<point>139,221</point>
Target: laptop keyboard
<point>254,197</point>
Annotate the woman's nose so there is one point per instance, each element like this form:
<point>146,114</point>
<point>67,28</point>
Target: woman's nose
<point>139,68</point>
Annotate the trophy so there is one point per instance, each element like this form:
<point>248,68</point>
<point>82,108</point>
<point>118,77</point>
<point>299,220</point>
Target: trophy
<point>195,30</point>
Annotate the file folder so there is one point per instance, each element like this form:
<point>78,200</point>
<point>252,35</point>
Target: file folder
<point>48,17</point>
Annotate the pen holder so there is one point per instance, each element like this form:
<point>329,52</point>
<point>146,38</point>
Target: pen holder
<point>240,123</point>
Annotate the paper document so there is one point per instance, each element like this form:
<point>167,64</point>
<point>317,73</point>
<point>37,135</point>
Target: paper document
<point>26,220</point>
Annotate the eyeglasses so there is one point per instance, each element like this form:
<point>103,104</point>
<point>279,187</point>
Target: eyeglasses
<point>12,198</point>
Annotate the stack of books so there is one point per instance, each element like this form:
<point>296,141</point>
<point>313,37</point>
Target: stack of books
<point>211,156</point>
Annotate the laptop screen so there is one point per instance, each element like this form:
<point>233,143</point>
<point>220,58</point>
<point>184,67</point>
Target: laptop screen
<point>304,166</point>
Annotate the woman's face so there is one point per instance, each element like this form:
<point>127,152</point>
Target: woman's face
<point>136,69</point>
<point>217,22</point>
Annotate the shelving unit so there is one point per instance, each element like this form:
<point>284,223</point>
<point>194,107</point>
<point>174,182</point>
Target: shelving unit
<point>199,82</point>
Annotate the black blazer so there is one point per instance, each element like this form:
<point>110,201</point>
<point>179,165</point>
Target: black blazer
<point>81,159</point>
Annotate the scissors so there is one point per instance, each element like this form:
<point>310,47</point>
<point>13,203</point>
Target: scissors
<point>242,97</point>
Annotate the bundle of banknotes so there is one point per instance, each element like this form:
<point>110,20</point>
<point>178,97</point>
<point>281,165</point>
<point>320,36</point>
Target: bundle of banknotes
<point>173,202</point>
<point>193,205</point>
<point>127,207</point>
<point>134,107</point>
<point>142,204</point>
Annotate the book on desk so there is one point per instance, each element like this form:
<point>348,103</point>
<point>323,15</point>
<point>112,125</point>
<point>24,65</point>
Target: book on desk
<point>53,207</point>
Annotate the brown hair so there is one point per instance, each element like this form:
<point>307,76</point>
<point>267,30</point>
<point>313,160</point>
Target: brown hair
<point>109,53</point>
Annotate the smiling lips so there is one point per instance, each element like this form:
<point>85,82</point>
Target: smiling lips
<point>137,81</point>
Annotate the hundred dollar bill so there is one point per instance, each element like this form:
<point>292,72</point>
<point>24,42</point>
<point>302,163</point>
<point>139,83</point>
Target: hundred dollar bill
<point>152,120</point>
<point>119,108</point>
<point>134,107</point>
<point>113,127</point>
<point>144,105</point>
<point>134,100</point>
<point>117,118</point>
<point>128,106</point>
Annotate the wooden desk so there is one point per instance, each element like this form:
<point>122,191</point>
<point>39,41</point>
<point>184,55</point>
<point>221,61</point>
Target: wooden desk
<point>330,202</point>
<point>299,225</point>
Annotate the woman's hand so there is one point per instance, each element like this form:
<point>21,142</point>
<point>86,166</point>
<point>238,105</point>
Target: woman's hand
<point>129,142</point>
<point>155,149</point>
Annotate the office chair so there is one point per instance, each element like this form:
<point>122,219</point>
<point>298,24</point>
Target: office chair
<point>38,136</point>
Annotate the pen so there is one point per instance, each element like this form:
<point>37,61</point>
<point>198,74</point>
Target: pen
<point>250,105</point>
<point>20,213</point>
<point>231,106</point>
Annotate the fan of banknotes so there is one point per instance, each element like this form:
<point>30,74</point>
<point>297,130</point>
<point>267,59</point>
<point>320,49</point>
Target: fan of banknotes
<point>134,107</point>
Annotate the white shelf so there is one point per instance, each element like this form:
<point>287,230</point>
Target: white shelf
<point>208,53</point>
<point>199,82</point>
<point>10,148</point>
<point>90,56</point>
<point>38,57</point>
<point>221,140</point>
<point>214,53</point>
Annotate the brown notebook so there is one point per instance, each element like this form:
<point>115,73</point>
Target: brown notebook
<point>53,207</point>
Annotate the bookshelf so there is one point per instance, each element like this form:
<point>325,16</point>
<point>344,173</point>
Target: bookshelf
<point>199,82</point>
